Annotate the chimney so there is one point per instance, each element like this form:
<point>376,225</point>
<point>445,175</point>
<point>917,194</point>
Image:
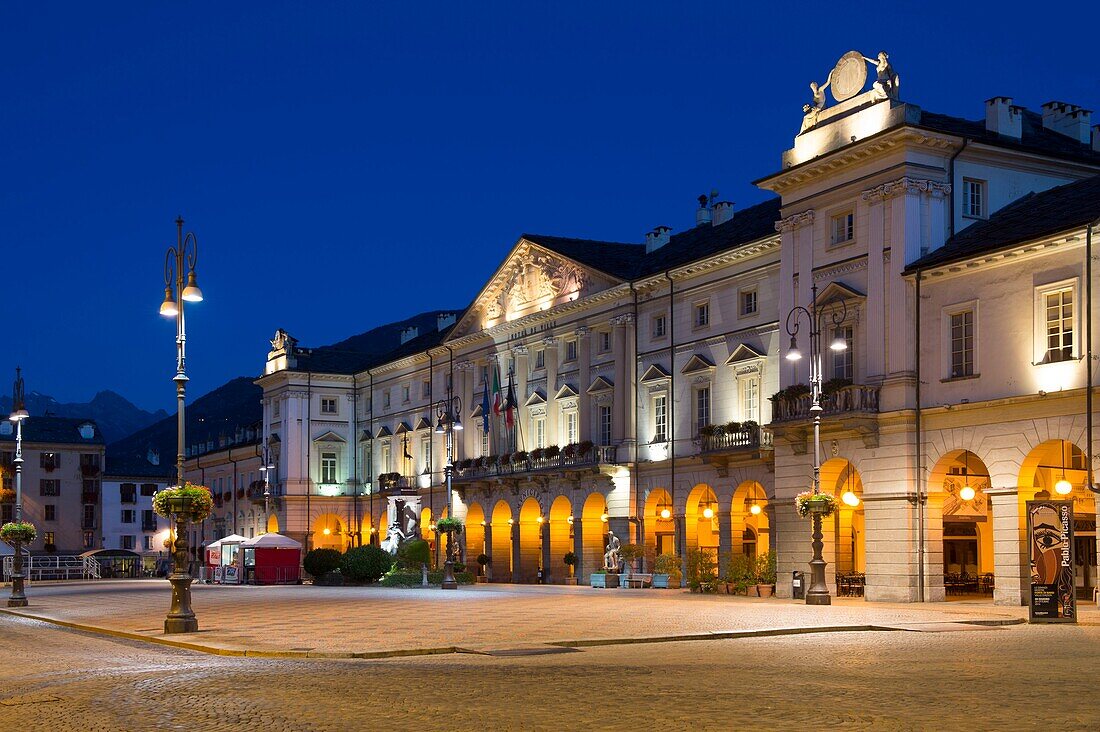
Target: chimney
<point>407,334</point>
<point>1003,117</point>
<point>1096,138</point>
<point>1069,120</point>
<point>702,214</point>
<point>723,212</point>
<point>657,238</point>
<point>443,320</point>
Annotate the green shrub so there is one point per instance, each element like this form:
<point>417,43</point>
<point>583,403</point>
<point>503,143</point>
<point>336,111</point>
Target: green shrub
<point>570,558</point>
<point>400,578</point>
<point>412,554</point>
<point>702,570</point>
<point>765,569</point>
<point>740,572</point>
<point>365,563</point>
<point>668,564</point>
<point>319,562</point>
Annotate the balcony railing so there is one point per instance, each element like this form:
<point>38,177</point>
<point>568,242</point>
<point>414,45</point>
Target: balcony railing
<point>741,438</point>
<point>486,468</point>
<point>846,399</point>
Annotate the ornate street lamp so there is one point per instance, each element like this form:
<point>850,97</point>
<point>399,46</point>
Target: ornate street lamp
<point>818,593</point>
<point>181,619</point>
<point>265,454</point>
<point>449,421</point>
<point>19,413</point>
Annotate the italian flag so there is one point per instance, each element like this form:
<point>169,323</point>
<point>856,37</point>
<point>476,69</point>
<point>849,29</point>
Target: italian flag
<point>498,398</point>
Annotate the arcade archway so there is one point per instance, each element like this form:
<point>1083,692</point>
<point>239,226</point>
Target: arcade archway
<point>561,537</point>
<point>660,525</point>
<point>840,477</point>
<point>329,532</point>
<point>530,541</point>
<point>593,533</point>
<point>501,553</point>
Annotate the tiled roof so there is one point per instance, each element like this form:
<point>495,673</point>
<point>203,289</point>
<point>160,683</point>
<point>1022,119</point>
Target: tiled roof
<point>1034,216</point>
<point>133,464</point>
<point>55,430</point>
<point>630,261</point>
<point>1033,138</point>
<point>615,258</point>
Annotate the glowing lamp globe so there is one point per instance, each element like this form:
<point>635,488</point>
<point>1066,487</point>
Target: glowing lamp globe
<point>708,512</point>
<point>850,498</point>
<point>665,513</point>
<point>1063,487</point>
<point>966,493</point>
<point>755,509</point>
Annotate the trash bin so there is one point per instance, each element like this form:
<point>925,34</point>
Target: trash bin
<point>541,576</point>
<point>798,585</point>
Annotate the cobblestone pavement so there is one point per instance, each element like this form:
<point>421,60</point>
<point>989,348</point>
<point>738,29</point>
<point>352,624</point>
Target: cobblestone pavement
<point>1010,678</point>
<point>356,620</point>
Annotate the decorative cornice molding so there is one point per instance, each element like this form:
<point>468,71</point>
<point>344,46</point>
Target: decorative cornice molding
<point>795,221</point>
<point>906,184</point>
<point>624,319</point>
<point>838,270</point>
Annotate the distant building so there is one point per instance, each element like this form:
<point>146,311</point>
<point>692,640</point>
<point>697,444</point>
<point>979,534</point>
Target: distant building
<point>62,474</point>
<point>127,518</point>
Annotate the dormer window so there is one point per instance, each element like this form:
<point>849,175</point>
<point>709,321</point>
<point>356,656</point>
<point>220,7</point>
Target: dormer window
<point>87,431</point>
<point>843,227</point>
<point>974,198</point>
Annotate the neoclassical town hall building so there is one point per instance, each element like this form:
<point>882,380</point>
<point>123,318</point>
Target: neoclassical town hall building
<point>653,393</point>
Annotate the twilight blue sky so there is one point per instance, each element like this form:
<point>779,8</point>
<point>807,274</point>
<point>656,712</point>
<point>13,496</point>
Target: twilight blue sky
<point>347,164</point>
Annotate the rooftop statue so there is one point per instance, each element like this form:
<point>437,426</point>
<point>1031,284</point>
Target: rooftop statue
<point>886,86</point>
<point>847,79</point>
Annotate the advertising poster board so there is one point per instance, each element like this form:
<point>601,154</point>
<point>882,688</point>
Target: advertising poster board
<point>232,576</point>
<point>1053,596</point>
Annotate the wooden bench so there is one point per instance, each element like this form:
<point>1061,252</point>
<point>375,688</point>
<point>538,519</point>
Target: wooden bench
<point>639,580</point>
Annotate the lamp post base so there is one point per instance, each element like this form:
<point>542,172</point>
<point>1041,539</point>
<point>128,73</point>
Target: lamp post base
<point>449,582</point>
<point>818,592</point>
<point>18,596</point>
<point>14,601</point>
<point>181,619</point>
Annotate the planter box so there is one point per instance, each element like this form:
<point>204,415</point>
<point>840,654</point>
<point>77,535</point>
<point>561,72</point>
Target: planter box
<point>570,580</point>
<point>605,581</point>
<point>482,579</point>
<point>765,590</point>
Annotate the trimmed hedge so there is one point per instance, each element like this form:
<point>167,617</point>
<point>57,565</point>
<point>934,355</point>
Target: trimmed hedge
<point>365,563</point>
<point>408,578</point>
<point>319,562</point>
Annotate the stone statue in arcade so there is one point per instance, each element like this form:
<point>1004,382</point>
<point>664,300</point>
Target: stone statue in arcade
<point>611,561</point>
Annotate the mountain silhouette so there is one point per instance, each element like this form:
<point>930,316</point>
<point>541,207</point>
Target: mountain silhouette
<point>116,416</point>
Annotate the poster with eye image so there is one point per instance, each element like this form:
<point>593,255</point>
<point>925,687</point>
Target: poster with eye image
<point>1050,546</point>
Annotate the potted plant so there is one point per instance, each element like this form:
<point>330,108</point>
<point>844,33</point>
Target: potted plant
<point>666,571</point>
<point>483,560</point>
<point>702,571</point>
<point>627,554</point>
<point>538,453</point>
<point>21,531</point>
<point>519,457</point>
<point>569,451</point>
<point>765,574</point>
<point>740,574</point>
<point>600,578</point>
<point>810,503</point>
<point>551,452</point>
<point>585,447</point>
<point>570,560</point>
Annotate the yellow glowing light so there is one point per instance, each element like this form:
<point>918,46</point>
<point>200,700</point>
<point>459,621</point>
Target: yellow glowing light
<point>511,521</point>
<point>708,513</point>
<point>755,510</point>
<point>966,493</point>
<point>665,513</point>
<point>569,519</point>
<point>603,517</point>
<point>540,519</point>
<point>850,498</point>
<point>482,523</point>
<point>1063,487</point>
<point>326,531</point>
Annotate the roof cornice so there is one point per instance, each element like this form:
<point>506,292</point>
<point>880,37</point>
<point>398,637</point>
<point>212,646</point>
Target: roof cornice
<point>1011,254</point>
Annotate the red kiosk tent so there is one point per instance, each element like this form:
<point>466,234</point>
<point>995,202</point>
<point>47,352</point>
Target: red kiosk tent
<point>272,559</point>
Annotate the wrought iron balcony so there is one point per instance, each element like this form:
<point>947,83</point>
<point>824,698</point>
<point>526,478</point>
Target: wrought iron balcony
<point>544,459</point>
<point>721,439</point>
<point>854,398</point>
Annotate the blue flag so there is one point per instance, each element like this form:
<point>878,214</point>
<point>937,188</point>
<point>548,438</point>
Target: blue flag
<point>485,408</point>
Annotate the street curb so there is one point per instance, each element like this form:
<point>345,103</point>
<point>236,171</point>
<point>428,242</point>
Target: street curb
<point>444,650</point>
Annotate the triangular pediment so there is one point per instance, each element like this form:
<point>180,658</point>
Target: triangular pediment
<point>532,279</point>
<point>536,398</point>
<point>599,385</point>
<point>366,436</point>
<point>329,436</point>
<point>424,424</point>
<point>656,372</point>
<point>402,428</point>
<point>836,291</point>
<point>743,352</point>
<point>478,411</point>
<point>696,364</point>
<point>384,432</point>
<point>565,392</point>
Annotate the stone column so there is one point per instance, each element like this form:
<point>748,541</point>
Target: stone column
<point>489,550</point>
<point>933,548</point>
<point>544,536</point>
<point>553,411</point>
<point>680,542</point>
<point>890,546</point>
<point>1011,568</point>
<point>584,363</point>
<point>725,540</point>
<point>517,555</point>
<point>578,549</point>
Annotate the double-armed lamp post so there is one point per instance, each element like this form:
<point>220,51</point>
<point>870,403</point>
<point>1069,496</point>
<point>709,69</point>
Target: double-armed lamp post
<point>449,422</point>
<point>19,413</point>
<point>177,292</point>
<point>818,592</point>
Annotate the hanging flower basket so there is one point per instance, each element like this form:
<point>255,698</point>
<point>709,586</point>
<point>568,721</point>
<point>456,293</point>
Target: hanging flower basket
<point>18,531</point>
<point>194,500</point>
<point>819,504</point>
<point>448,524</point>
